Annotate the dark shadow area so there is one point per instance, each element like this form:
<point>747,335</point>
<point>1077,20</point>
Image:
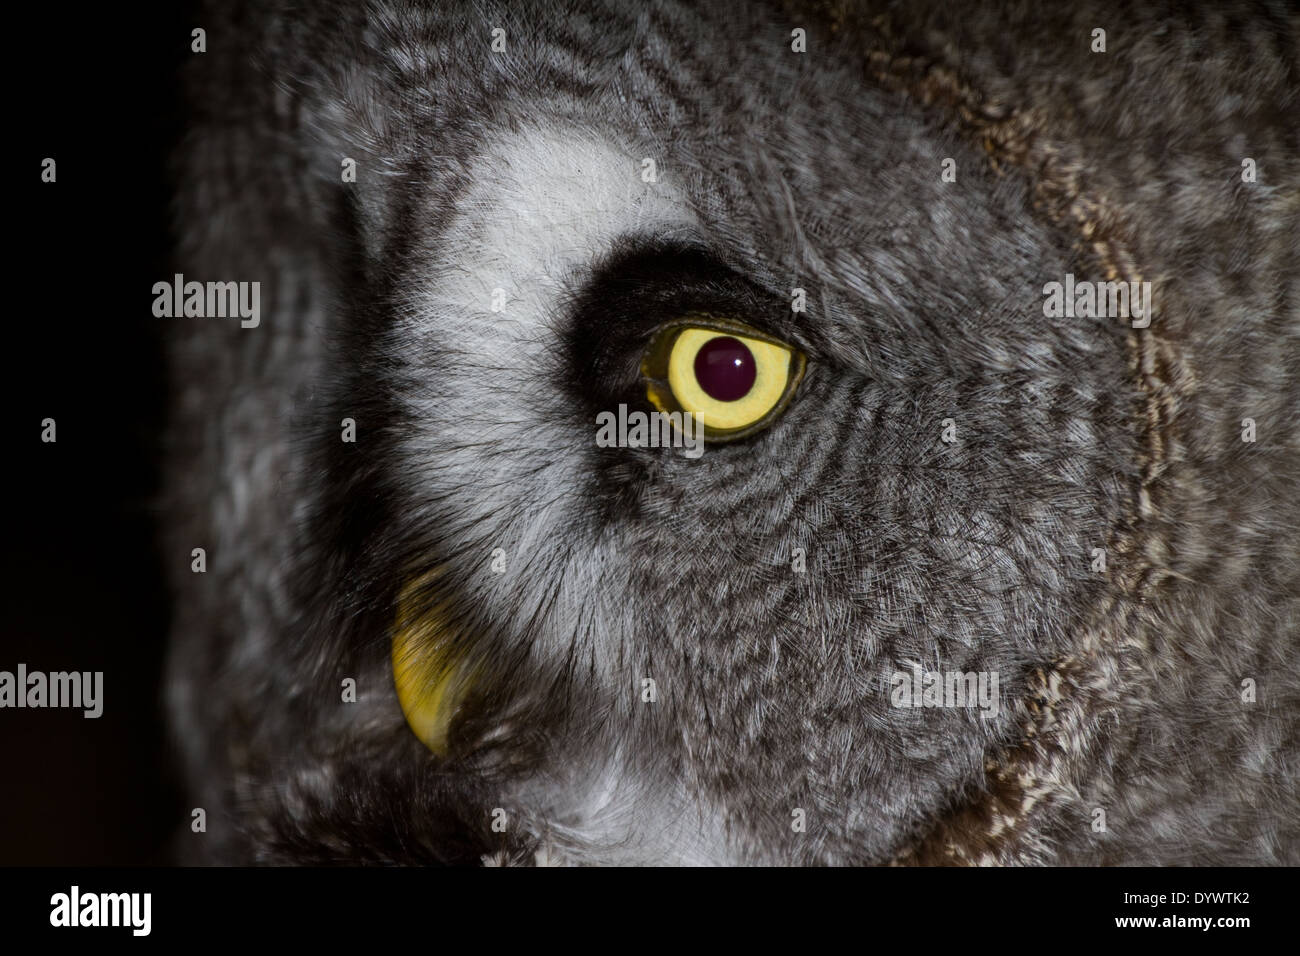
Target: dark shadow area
<point>83,577</point>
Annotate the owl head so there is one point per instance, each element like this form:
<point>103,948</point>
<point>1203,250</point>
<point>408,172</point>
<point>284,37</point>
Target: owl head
<point>820,616</point>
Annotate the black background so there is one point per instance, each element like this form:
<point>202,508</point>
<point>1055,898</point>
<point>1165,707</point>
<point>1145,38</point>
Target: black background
<point>96,90</point>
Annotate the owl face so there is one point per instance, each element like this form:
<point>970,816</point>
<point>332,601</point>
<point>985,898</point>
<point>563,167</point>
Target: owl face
<point>622,652</point>
<point>638,655</point>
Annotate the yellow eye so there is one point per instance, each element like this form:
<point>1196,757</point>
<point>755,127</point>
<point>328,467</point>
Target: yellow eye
<point>734,379</point>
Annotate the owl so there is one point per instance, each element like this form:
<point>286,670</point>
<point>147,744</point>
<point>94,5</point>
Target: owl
<point>814,433</point>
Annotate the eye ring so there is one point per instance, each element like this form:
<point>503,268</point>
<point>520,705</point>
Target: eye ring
<point>671,363</point>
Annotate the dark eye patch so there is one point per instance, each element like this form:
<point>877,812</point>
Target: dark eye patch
<point>633,292</point>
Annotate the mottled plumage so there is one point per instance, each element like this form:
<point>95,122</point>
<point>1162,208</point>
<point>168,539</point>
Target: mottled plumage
<point>522,170</point>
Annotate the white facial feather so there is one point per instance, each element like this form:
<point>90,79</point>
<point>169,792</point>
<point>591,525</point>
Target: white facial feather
<point>545,206</point>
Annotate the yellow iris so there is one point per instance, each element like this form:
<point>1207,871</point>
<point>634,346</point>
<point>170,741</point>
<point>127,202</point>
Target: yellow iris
<point>672,384</point>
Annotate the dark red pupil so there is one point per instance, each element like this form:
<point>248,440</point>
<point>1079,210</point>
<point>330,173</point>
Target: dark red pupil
<point>725,369</point>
